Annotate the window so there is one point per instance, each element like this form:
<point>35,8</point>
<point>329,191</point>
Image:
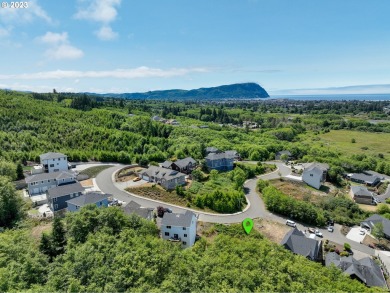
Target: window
<point>42,182</point>
<point>168,227</point>
<point>185,235</point>
<point>55,199</point>
<point>56,206</point>
<point>48,180</point>
<point>166,233</point>
<point>184,243</point>
<point>51,165</point>
<point>57,164</point>
<point>311,175</point>
<point>184,228</point>
<point>58,160</point>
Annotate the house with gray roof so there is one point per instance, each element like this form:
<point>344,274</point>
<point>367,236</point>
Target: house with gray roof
<point>220,161</point>
<point>314,174</point>
<point>54,162</point>
<point>97,198</point>
<point>211,150</point>
<point>40,183</point>
<point>371,221</point>
<point>134,208</point>
<point>370,180</point>
<point>184,165</point>
<point>167,178</point>
<point>361,194</point>
<point>179,228</point>
<point>166,164</point>
<point>58,196</point>
<point>298,243</point>
<point>364,270</point>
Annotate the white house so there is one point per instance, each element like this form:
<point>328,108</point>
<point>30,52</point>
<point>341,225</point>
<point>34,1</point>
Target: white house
<point>314,174</point>
<point>54,162</point>
<point>179,228</point>
<point>40,183</point>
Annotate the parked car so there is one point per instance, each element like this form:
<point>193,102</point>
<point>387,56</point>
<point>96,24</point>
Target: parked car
<point>168,210</point>
<point>136,179</point>
<point>330,228</point>
<point>362,232</point>
<point>318,233</point>
<point>291,223</point>
<point>311,230</point>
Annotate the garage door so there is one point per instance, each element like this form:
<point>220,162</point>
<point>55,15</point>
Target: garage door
<point>145,177</point>
<point>35,190</point>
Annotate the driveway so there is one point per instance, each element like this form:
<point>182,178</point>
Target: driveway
<point>354,235</point>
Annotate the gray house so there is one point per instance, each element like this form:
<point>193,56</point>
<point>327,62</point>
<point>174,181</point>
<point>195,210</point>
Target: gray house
<point>134,208</point>
<point>40,183</point>
<point>167,178</point>
<point>314,174</point>
<point>298,243</point>
<point>184,165</point>
<point>58,196</point>
<point>364,270</point>
<point>99,199</point>
<point>370,180</point>
<point>219,161</point>
<point>179,228</point>
<point>375,219</point>
<point>361,194</point>
<point>212,150</point>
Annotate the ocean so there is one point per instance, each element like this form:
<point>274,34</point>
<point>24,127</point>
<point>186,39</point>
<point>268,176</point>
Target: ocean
<point>344,97</point>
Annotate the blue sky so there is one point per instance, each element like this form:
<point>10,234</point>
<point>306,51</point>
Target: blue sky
<point>288,47</point>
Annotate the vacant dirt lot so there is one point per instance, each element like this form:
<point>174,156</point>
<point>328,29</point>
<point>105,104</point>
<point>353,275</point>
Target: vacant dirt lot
<point>37,231</point>
<point>86,183</point>
<point>128,174</point>
<point>272,230</point>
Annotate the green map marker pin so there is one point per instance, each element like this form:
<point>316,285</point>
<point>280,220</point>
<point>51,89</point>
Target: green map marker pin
<point>248,225</point>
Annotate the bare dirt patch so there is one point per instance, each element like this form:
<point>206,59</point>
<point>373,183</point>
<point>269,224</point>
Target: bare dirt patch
<point>272,230</point>
<point>128,173</point>
<point>345,230</point>
<point>86,183</point>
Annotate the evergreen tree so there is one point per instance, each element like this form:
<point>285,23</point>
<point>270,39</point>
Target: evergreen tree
<point>45,245</point>
<point>58,237</point>
<point>19,172</point>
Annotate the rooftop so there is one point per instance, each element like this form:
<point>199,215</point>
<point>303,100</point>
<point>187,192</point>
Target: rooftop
<point>51,155</point>
<point>48,176</point>
<point>88,198</point>
<point>178,220</point>
<point>64,190</point>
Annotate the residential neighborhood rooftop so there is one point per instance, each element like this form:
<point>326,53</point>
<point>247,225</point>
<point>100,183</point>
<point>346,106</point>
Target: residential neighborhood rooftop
<point>178,220</point>
<point>62,190</point>
<point>51,155</point>
<point>134,208</point>
<point>184,162</point>
<point>48,176</point>
<point>297,242</point>
<point>360,190</point>
<point>88,198</point>
<point>159,172</point>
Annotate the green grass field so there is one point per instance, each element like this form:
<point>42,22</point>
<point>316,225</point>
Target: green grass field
<point>92,172</point>
<point>342,141</point>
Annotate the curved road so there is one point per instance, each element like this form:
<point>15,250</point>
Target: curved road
<point>255,209</point>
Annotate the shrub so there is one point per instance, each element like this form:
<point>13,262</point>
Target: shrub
<point>347,246</point>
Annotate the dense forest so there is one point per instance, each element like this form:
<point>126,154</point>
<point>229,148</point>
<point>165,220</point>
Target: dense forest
<point>103,250</point>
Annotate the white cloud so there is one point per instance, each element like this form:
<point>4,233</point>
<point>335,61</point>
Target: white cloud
<point>54,38</point>
<point>8,15</point>
<point>101,11</point>
<point>140,72</point>
<point>106,33</point>
<point>60,48</point>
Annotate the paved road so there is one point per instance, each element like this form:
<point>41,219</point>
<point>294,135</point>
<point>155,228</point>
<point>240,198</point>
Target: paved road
<point>255,209</point>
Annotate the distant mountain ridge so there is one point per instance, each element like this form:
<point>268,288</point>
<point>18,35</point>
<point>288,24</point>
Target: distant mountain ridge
<point>233,91</point>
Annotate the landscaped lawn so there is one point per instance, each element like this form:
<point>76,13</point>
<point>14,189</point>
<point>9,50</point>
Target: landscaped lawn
<point>341,140</point>
<point>92,172</point>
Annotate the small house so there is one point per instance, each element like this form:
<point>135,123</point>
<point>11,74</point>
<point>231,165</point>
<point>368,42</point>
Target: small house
<point>58,196</point>
<point>298,243</point>
<point>370,180</point>
<point>134,208</point>
<point>361,194</point>
<point>99,199</point>
<point>179,228</point>
<point>184,165</point>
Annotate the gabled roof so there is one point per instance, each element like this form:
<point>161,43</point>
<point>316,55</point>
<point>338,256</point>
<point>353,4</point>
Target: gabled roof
<point>232,153</point>
<point>51,155</point>
<point>364,177</point>
<point>166,164</point>
<point>178,220</point>
<point>218,156</point>
<point>48,176</point>
<point>65,190</point>
<point>184,162</point>
<point>313,170</point>
<point>321,166</point>
<point>89,198</point>
<point>365,269</point>
<point>298,243</point>
<point>160,173</point>
<point>360,191</point>
<point>374,219</point>
<point>134,208</point>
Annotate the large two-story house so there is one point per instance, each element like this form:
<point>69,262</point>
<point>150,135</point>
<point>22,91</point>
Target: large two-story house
<point>179,228</point>
<point>314,174</point>
<point>184,165</point>
<point>57,197</point>
<point>219,161</point>
<point>40,183</point>
<point>54,162</point>
<point>298,243</point>
<point>167,178</point>
<point>361,194</point>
